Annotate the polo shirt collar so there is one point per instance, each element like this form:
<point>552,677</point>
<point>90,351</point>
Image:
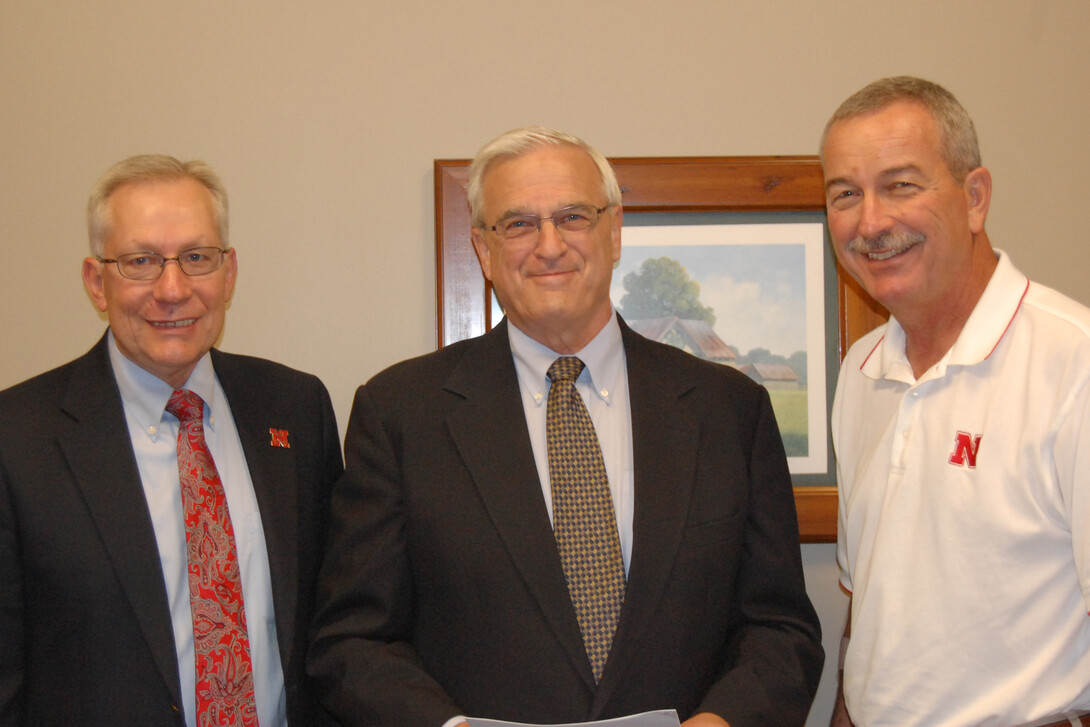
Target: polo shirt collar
<point>990,319</point>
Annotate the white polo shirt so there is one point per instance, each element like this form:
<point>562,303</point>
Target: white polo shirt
<point>964,529</point>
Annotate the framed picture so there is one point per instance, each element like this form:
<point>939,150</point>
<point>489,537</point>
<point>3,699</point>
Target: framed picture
<point>750,232</point>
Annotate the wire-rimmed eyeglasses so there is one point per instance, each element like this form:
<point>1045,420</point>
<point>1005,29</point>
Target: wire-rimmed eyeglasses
<point>568,221</point>
<point>149,265</point>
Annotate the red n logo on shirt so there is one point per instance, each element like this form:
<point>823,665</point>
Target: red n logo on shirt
<point>965,451</point>
<point>279,438</point>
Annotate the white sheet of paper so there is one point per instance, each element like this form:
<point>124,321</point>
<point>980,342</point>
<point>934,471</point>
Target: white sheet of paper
<point>660,718</point>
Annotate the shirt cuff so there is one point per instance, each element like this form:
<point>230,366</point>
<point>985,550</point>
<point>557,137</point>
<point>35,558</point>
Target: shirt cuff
<point>455,720</point>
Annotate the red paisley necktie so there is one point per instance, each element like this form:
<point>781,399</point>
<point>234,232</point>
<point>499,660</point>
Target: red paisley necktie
<point>225,680</point>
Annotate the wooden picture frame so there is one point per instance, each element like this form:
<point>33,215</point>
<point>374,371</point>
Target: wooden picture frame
<point>658,185</point>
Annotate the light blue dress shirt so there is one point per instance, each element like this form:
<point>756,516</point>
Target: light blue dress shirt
<point>154,435</point>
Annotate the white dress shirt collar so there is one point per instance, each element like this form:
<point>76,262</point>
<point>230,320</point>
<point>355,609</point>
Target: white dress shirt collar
<point>603,357</point>
<point>146,395</point>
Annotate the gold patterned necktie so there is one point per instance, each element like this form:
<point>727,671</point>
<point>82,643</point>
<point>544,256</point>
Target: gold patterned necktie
<point>583,518</point>
<point>225,679</point>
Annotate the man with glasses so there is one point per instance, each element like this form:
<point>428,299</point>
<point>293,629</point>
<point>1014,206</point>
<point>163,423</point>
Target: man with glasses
<point>561,521</point>
<point>162,504</point>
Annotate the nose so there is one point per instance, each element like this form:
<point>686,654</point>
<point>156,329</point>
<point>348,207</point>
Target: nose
<point>874,216</point>
<point>549,242</point>
<point>172,284</point>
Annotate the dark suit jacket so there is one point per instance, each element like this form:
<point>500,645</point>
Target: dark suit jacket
<point>443,593</point>
<point>85,631</point>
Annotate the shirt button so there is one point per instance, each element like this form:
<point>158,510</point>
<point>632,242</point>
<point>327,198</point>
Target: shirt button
<point>604,392</point>
<point>151,430</point>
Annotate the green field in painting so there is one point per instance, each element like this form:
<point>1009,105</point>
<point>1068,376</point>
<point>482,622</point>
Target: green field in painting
<point>790,408</point>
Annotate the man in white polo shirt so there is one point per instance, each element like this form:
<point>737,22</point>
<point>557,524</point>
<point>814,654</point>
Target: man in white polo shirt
<point>962,435</point>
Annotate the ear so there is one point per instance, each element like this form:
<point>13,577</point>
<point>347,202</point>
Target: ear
<point>481,248</point>
<point>618,218</point>
<point>230,265</point>
<point>978,194</point>
<point>92,281</point>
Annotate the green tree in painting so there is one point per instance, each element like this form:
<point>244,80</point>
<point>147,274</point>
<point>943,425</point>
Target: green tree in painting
<point>662,287</point>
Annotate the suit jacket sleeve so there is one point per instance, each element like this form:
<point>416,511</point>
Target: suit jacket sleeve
<point>774,657</point>
<point>365,598</point>
<point>11,611</point>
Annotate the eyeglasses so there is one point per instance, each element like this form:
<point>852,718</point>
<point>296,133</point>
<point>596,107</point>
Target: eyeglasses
<point>149,265</point>
<point>568,222</point>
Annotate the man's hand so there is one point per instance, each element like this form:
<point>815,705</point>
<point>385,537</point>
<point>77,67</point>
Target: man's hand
<point>705,719</point>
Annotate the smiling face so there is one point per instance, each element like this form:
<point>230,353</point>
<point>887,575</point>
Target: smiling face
<point>555,290</point>
<point>901,224</point>
<point>166,325</point>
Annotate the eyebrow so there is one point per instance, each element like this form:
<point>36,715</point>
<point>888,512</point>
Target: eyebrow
<point>884,174</point>
<point>520,211</point>
<point>838,180</point>
<point>511,212</point>
<point>895,171</point>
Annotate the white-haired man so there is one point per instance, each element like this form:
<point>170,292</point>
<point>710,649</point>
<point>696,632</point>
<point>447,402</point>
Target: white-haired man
<point>560,520</point>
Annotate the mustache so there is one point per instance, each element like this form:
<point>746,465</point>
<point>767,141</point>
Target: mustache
<point>895,242</point>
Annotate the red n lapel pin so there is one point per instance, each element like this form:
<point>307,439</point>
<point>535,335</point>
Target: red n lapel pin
<point>279,438</point>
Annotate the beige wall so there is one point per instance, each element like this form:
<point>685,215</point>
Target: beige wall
<point>324,119</point>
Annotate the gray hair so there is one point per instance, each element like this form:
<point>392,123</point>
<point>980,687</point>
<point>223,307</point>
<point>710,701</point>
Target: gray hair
<point>959,147</point>
<point>517,142</point>
<point>150,168</point>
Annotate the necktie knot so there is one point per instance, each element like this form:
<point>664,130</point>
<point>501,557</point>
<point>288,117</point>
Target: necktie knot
<point>565,368</point>
<point>186,405</point>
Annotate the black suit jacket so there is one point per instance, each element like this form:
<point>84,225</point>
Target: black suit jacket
<point>85,630</point>
<point>443,593</point>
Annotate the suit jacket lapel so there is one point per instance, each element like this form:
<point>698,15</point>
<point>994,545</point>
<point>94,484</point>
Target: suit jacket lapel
<point>506,477</point>
<point>664,448</point>
<point>98,450</point>
<point>275,486</point>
